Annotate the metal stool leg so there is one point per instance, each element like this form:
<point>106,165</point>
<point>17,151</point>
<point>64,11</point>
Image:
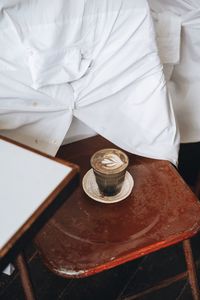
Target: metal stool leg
<point>25,278</point>
<point>192,276</point>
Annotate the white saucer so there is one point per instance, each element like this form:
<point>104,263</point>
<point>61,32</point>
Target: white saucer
<point>91,189</point>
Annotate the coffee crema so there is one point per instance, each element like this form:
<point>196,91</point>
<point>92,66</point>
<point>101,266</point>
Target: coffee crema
<point>109,160</point>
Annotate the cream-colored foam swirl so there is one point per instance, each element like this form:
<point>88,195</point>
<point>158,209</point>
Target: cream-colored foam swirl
<point>112,161</point>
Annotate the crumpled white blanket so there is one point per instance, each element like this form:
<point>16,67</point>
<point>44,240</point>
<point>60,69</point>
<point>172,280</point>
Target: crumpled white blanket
<point>93,60</point>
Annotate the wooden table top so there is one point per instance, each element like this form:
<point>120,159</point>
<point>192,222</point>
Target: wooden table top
<point>85,236</point>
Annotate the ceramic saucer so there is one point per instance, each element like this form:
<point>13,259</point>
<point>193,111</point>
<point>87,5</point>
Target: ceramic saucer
<point>91,189</point>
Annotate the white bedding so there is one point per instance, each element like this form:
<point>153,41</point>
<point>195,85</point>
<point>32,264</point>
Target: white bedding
<point>95,60</point>
<point>183,75</point>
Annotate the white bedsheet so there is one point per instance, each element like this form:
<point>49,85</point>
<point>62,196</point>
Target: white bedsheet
<point>183,75</point>
<point>95,60</point>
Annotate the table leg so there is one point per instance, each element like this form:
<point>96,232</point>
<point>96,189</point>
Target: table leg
<point>25,278</point>
<point>192,276</point>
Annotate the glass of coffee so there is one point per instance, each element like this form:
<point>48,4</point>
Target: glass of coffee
<point>109,166</point>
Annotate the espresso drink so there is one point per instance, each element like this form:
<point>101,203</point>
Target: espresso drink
<point>109,166</point>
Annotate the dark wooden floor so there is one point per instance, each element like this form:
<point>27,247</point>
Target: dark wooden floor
<point>120,282</point>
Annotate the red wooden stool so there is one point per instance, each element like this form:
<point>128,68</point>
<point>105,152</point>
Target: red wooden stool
<point>85,237</point>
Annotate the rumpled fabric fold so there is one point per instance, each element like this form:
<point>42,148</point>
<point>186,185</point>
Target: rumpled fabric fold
<point>57,66</point>
<point>183,75</point>
<point>96,61</point>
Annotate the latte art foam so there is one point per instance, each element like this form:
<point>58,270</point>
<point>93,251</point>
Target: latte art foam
<point>111,161</point>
